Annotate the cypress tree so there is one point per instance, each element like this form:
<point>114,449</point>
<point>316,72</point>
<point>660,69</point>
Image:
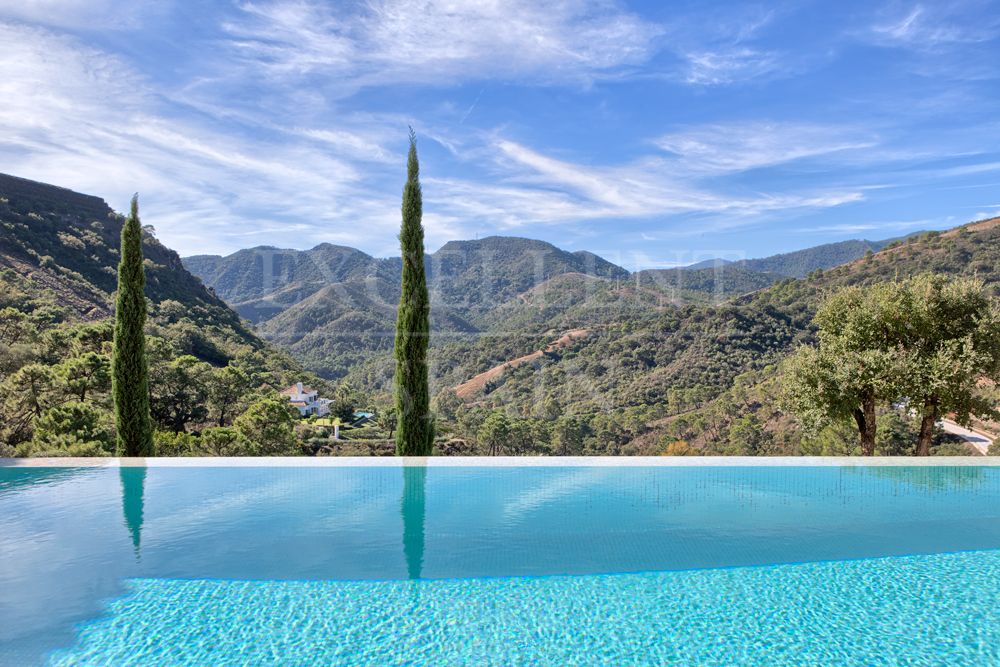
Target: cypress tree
<point>129,373</point>
<point>415,428</point>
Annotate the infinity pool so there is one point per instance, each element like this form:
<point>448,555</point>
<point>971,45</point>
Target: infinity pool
<point>551,565</point>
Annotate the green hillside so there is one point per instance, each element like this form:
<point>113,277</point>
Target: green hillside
<point>58,257</point>
<point>261,281</point>
<point>800,263</point>
<point>702,375</point>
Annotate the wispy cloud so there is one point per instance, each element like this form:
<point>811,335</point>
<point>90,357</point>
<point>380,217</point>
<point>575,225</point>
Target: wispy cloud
<point>437,43</point>
<point>543,189</point>
<point>80,14</point>
<point>935,25</point>
<point>730,65</point>
<point>886,226</point>
<point>748,145</point>
<point>84,119</point>
<point>721,49</point>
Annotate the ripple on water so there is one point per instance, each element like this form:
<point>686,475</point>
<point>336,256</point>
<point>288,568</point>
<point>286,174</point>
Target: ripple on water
<point>914,610</point>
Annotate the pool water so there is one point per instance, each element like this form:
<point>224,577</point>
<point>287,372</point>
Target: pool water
<point>491,565</point>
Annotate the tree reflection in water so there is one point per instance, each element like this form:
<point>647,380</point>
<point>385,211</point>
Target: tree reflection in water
<point>133,480</point>
<point>411,507</point>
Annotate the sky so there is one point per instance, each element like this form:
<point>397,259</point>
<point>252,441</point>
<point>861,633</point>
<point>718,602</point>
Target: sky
<point>653,133</point>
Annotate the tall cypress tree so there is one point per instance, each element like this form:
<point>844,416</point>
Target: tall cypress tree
<point>129,373</point>
<point>415,429</point>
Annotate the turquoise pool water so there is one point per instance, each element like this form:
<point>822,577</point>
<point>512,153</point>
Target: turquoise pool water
<point>526,565</point>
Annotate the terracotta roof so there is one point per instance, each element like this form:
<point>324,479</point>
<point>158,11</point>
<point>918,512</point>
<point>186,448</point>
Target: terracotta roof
<point>298,404</point>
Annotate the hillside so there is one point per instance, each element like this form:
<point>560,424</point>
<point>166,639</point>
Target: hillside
<point>65,244</point>
<point>259,282</point>
<point>702,375</point>
<point>800,263</point>
<point>58,257</point>
<point>333,307</point>
<point>466,276</point>
<point>707,285</point>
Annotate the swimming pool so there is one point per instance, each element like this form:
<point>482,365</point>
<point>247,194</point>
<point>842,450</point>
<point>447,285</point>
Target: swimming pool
<point>519,564</point>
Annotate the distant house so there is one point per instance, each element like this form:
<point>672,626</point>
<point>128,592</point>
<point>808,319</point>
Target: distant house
<point>306,400</point>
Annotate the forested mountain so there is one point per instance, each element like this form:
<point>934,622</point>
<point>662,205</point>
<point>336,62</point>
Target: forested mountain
<point>260,282</point>
<point>333,307</point>
<point>704,285</point>
<point>468,276</point>
<point>649,373</point>
<point>58,256</point>
<point>66,244</point>
<point>579,355</point>
<point>800,263</point>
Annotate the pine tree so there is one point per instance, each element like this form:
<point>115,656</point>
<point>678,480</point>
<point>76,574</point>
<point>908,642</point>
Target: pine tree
<point>415,428</point>
<point>129,373</point>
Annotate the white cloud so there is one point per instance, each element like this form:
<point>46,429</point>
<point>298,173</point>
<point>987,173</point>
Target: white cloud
<point>887,226</point>
<point>79,14</point>
<point>730,65</point>
<point>83,119</point>
<point>732,147</point>
<point>539,189</point>
<point>932,26</point>
<point>437,42</point>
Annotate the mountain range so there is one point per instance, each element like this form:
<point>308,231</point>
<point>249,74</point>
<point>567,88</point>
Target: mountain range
<point>334,306</point>
<point>641,358</point>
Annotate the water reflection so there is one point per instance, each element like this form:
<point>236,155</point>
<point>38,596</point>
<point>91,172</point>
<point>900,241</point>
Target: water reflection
<point>133,481</point>
<point>412,509</point>
<point>938,478</point>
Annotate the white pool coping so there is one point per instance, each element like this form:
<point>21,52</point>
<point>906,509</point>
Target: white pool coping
<point>501,461</point>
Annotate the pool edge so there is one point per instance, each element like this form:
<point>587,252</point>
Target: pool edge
<point>501,461</point>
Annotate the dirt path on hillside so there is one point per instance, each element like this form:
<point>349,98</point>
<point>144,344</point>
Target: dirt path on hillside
<point>477,383</point>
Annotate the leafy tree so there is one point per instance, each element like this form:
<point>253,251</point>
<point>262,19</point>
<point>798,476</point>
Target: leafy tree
<point>129,373</point>
<point>747,434</point>
<point>386,420</point>
<point>221,441</point>
<point>180,393</point>
<point>954,341</point>
<point>173,443</point>
<point>13,326</point>
<point>567,435</point>
<point>415,434</point>
<point>75,428</point>
<point>857,365</point>
<point>85,374</point>
<point>494,434</point>
<point>267,428</point>
<point>25,395</point>
<point>228,388</point>
<point>524,437</point>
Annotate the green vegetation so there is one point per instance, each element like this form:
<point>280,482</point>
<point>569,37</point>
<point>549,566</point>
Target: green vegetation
<point>129,370</point>
<point>682,362</point>
<point>57,336</point>
<point>415,428</point>
<point>924,343</point>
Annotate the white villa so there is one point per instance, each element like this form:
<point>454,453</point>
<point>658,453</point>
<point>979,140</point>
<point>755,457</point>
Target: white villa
<point>306,400</point>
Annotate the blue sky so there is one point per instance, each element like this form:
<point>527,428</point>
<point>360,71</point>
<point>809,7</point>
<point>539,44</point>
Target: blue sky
<point>651,133</point>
